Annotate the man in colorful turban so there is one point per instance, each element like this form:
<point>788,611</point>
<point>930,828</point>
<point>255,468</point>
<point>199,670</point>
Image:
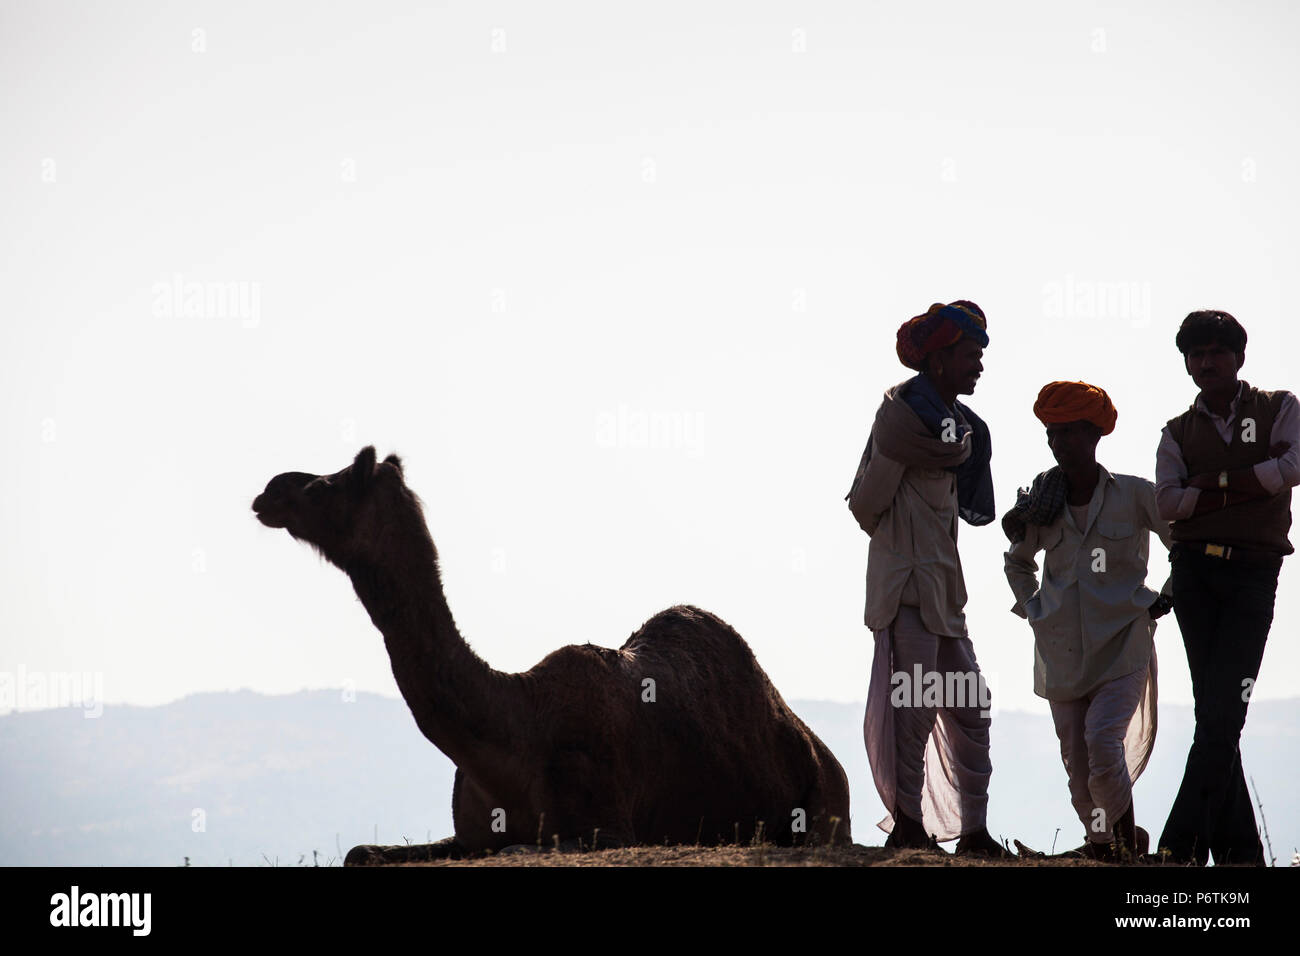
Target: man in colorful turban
<point>1093,616</point>
<point>926,464</point>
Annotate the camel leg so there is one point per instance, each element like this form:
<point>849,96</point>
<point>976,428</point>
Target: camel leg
<point>366,855</point>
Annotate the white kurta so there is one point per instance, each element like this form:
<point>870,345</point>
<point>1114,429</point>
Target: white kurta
<point>1089,615</point>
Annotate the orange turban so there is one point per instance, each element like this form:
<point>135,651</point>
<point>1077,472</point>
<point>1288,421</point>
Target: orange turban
<point>1060,402</point>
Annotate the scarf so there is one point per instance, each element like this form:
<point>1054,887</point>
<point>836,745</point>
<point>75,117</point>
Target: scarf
<point>911,427</point>
<point>1039,504</point>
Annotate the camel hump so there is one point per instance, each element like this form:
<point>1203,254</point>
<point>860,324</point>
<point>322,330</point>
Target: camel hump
<point>687,619</point>
<point>685,633</point>
<point>689,614</point>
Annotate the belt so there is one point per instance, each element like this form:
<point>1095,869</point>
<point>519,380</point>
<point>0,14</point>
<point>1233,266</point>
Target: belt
<point>1228,553</point>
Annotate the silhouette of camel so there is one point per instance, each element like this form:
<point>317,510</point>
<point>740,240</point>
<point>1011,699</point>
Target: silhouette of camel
<point>676,737</point>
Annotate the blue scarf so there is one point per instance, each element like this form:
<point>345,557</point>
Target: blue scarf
<point>974,477</point>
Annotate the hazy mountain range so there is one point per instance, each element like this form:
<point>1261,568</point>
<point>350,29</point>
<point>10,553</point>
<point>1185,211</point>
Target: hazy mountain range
<point>244,778</point>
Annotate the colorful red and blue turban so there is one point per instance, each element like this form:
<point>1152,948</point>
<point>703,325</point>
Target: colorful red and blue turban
<point>937,328</point>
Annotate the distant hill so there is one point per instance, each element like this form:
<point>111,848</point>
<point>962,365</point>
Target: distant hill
<point>279,777</point>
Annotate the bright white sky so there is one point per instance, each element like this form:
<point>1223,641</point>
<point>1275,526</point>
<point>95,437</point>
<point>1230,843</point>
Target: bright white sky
<point>493,237</point>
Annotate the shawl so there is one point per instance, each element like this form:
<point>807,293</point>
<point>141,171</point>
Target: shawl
<point>915,426</point>
<point>1041,504</point>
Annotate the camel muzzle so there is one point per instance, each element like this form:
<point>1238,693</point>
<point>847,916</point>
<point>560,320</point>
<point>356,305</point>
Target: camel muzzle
<point>261,509</point>
<point>274,505</point>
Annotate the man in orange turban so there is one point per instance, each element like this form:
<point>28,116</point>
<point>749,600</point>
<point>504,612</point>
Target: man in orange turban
<point>1092,615</point>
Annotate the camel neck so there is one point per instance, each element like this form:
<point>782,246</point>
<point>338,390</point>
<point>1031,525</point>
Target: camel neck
<point>459,703</point>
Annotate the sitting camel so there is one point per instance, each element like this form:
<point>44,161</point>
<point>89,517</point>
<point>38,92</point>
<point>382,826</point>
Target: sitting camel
<point>676,737</point>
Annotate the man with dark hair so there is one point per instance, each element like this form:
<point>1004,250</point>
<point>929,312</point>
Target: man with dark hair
<point>927,463</point>
<point>1224,473</point>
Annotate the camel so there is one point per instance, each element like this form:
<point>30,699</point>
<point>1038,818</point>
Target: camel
<point>677,737</point>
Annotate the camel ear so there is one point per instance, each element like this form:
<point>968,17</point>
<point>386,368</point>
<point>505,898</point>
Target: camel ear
<point>396,463</point>
<point>363,469</point>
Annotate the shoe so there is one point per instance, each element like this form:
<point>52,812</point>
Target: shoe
<point>979,843</point>
<point>1114,852</point>
<point>1101,852</point>
<point>909,835</point>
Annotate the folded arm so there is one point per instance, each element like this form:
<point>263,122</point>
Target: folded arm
<point>1279,471</point>
<point>1282,469</point>
<point>1173,501</point>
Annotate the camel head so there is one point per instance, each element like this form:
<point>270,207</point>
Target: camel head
<point>347,516</point>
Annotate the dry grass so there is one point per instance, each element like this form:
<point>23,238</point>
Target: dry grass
<point>856,855</point>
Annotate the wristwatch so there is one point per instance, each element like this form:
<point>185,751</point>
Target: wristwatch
<point>1223,480</point>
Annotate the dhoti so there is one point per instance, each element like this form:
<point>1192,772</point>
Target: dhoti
<point>928,758</point>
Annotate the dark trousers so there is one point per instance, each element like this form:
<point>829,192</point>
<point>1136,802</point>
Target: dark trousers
<point>1224,610</point>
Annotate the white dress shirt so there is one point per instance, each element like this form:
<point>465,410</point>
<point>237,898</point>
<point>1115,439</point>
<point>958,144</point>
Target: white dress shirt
<point>1089,614</point>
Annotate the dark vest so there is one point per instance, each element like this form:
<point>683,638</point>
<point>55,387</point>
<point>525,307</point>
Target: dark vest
<point>1259,524</point>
